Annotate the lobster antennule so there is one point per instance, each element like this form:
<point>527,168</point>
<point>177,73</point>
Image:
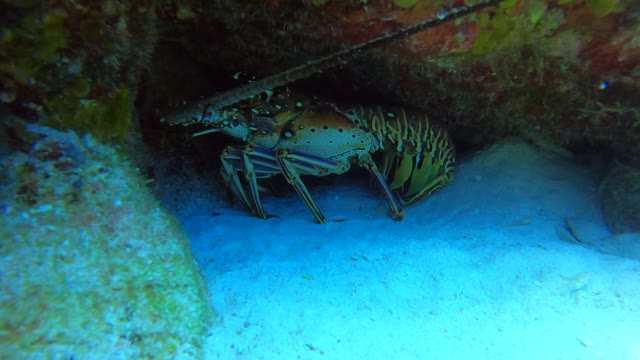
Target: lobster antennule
<point>193,113</point>
<point>205,132</point>
<point>231,122</point>
<point>227,98</point>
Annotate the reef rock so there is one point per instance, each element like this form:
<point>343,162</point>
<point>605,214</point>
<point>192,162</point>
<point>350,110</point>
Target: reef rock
<point>92,266</point>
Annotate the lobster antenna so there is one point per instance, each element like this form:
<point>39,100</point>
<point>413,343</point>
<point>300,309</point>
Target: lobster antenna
<point>250,90</point>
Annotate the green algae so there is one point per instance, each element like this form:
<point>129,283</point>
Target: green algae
<point>602,8</point>
<point>28,48</point>
<point>107,118</point>
<point>81,61</point>
<point>405,3</point>
<point>507,31</point>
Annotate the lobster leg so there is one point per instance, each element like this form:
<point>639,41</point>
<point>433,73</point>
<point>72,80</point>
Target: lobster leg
<point>290,162</point>
<point>250,178</point>
<point>397,212</point>
<point>288,166</point>
<point>258,162</point>
<point>233,161</point>
<point>253,162</point>
<point>232,180</point>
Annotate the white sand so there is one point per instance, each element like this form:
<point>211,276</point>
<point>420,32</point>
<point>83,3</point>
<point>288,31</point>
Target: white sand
<point>477,271</point>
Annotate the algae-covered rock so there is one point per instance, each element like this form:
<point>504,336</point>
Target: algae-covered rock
<point>620,194</point>
<point>76,65</point>
<point>91,266</point>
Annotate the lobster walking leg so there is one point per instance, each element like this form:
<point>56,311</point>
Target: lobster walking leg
<point>397,212</point>
<point>237,160</point>
<point>288,170</point>
<point>257,162</point>
<point>249,172</point>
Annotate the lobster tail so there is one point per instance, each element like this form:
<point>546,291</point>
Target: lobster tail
<point>418,157</point>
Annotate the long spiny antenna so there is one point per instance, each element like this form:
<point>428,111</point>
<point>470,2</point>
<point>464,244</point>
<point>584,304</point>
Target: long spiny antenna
<point>250,90</point>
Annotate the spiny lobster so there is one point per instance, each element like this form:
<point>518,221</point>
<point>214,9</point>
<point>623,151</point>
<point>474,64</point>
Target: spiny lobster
<point>295,138</point>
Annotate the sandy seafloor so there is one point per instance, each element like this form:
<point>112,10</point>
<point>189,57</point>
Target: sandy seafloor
<point>477,271</point>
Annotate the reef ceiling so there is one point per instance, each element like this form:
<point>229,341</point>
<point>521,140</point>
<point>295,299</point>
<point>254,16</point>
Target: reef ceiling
<point>562,72</point>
